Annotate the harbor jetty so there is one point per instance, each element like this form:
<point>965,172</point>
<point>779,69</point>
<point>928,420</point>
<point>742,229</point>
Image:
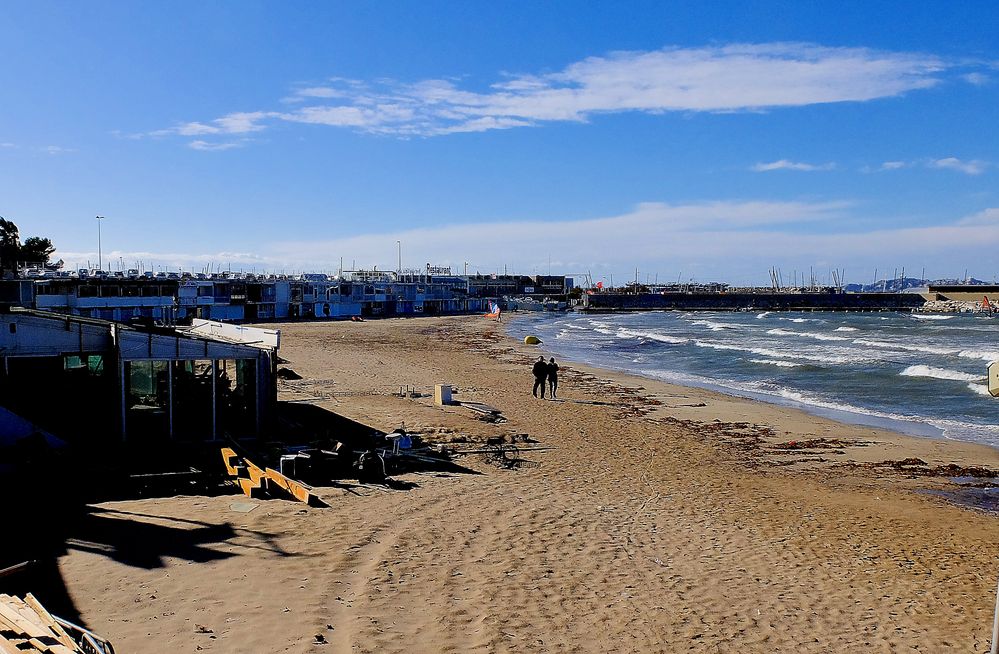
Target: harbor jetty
<point>750,301</point>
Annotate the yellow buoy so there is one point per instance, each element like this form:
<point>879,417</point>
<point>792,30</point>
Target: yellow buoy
<point>532,340</point>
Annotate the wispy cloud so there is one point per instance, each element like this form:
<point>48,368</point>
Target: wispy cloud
<point>973,167</point>
<point>208,146</point>
<point>55,149</point>
<point>988,217</point>
<point>729,78</point>
<point>734,241</point>
<point>968,167</point>
<point>978,79</point>
<point>784,164</point>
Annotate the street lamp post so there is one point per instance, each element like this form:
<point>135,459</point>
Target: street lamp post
<point>399,243</point>
<point>99,262</point>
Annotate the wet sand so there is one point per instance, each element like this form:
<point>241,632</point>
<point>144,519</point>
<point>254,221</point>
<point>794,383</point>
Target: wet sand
<point>665,519</point>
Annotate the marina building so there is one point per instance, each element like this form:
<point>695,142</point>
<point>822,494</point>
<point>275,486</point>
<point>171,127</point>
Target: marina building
<point>240,297</point>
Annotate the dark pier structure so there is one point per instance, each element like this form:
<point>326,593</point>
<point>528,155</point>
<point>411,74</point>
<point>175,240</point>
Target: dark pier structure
<point>744,301</point>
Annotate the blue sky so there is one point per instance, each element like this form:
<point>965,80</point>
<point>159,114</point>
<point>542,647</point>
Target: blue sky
<point>703,140</point>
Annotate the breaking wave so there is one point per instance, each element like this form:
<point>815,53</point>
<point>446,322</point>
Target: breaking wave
<point>984,355</point>
<point>816,335</point>
<point>903,346</point>
<point>940,373</point>
<point>931,316</point>
<point>779,364</point>
<point>655,336</point>
<point>981,389</point>
<point>713,326</point>
<point>767,352</point>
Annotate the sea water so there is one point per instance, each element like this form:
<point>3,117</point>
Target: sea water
<point>922,374</point>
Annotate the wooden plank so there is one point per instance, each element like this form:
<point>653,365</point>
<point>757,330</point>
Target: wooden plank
<point>230,458</point>
<point>50,648</point>
<point>9,615</point>
<point>256,472</point>
<point>249,488</point>
<point>296,489</point>
<point>49,621</point>
<point>249,477</point>
<point>26,611</point>
<point>7,647</point>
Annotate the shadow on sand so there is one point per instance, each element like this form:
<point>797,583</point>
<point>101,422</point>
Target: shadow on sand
<point>49,502</point>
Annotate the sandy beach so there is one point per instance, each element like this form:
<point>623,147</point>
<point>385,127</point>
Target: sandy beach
<point>663,519</point>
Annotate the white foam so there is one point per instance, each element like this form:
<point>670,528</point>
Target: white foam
<point>763,315</point>
<point>779,364</point>
<point>845,329</point>
<point>655,336</point>
<point>940,373</point>
<point>713,326</point>
<point>816,335</point>
<point>907,348</point>
<point>766,352</point>
<point>951,429</point>
<point>985,355</point>
<point>981,389</point>
<point>930,316</point>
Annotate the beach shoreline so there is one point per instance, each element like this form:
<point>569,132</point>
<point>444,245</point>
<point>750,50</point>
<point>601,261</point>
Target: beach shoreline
<point>791,420</point>
<point>662,518</point>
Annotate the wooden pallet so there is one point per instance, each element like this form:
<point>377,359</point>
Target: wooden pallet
<point>25,626</point>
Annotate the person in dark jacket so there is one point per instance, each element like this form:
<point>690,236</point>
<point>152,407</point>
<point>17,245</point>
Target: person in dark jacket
<point>540,371</point>
<point>552,377</point>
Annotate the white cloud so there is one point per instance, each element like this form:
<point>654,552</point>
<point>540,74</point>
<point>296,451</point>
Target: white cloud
<point>207,146</point>
<point>978,79</point>
<point>730,241</point>
<point>974,167</point>
<point>988,216</point>
<point>191,129</point>
<point>239,122</point>
<point>318,92</point>
<point>56,149</point>
<point>734,241</point>
<point>738,77</point>
<point>784,164</point>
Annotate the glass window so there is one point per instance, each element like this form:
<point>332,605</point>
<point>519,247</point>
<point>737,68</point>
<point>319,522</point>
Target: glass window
<point>147,400</point>
<point>236,396</point>
<point>192,400</point>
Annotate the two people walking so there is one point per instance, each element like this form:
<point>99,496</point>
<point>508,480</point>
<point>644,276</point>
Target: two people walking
<point>545,372</point>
